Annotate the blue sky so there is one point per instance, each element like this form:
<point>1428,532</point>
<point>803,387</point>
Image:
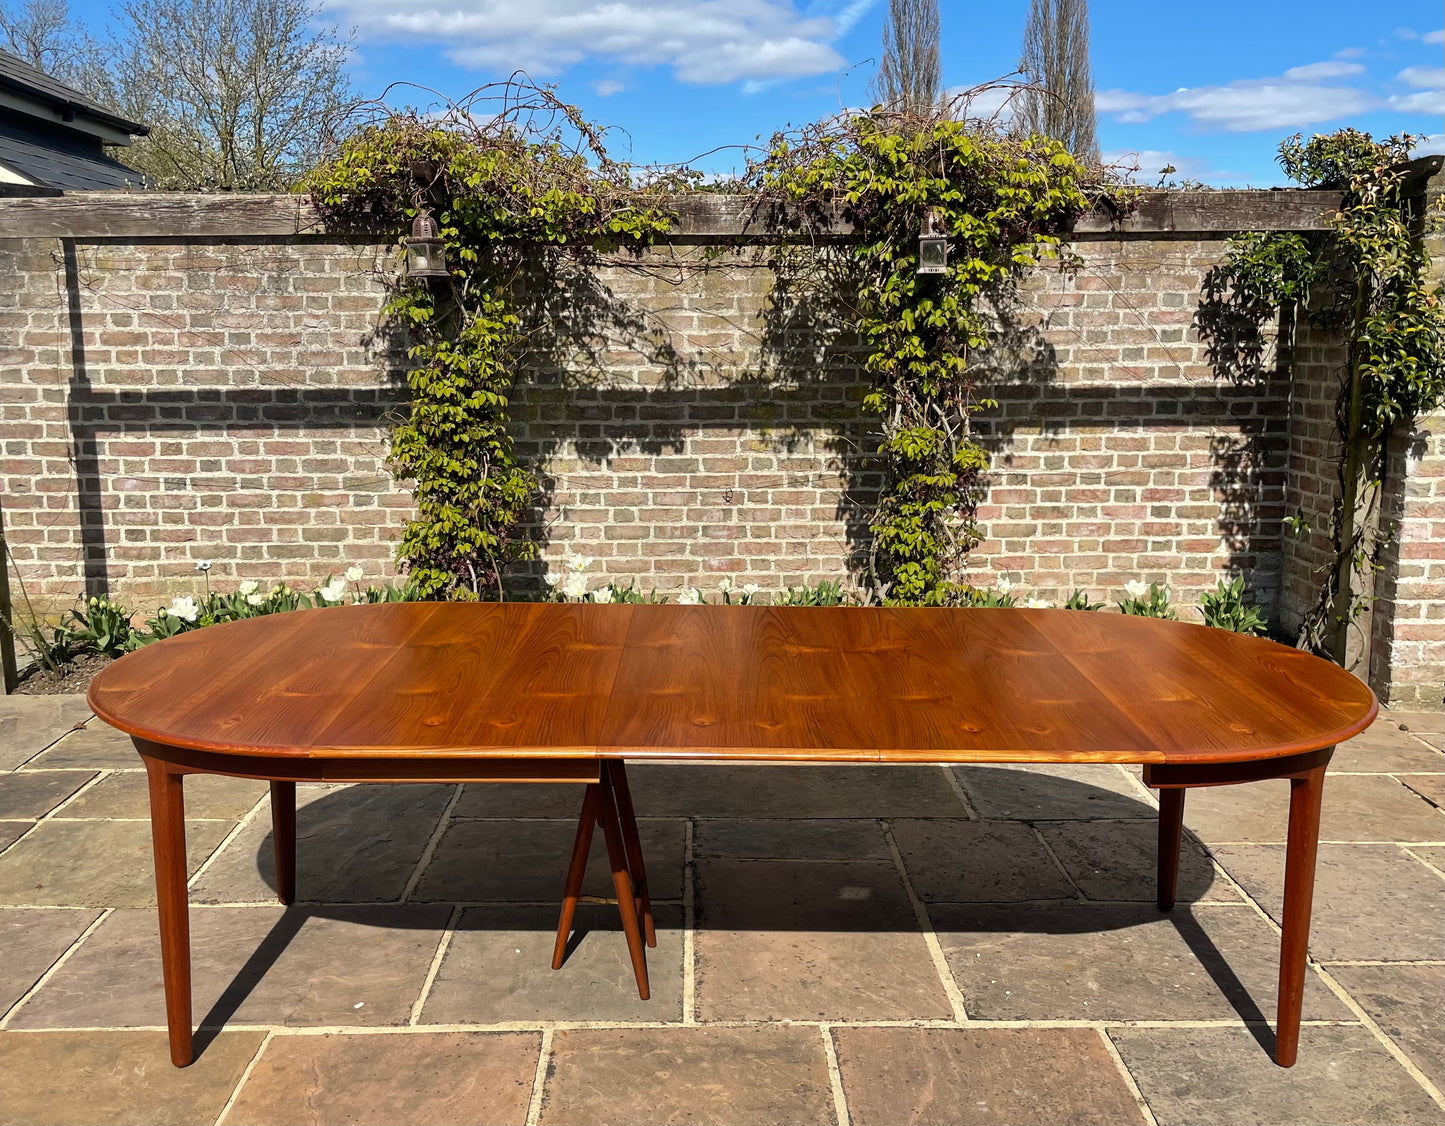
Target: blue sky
<point>1209,88</point>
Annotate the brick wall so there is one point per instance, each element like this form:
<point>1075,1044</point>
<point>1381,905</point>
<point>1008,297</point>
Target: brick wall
<point>168,399</point>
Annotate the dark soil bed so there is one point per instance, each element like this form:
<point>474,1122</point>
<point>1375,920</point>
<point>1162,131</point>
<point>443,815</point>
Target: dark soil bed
<point>74,676</point>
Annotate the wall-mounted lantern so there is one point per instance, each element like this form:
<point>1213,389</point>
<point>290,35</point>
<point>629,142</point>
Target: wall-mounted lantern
<point>426,255</point>
<point>932,246</point>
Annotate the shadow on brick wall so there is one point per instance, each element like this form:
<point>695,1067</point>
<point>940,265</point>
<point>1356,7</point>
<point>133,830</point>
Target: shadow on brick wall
<point>799,381</point>
<point>186,410</point>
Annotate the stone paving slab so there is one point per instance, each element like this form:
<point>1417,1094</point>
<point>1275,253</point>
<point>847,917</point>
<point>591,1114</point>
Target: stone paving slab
<point>1356,808</point>
<point>801,914</point>
<point>97,747</point>
<point>255,965</point>
<point>354,844</point>
<point>816,839</point>
<point>1054,791</point>
<point>29,724</point>
<point>1371,902</point>
<point>1386,750</point>
<point>390,1079</point>
<point>810,940</point>
<point>526,861</point>
<point>126,795</point>
<point>734,1076</point>
<point>560,800</point>
<point>1104,962</point>
<point>93,863</point>
<point>1429,726</point>
<point>1220,1077</point>
<point>32,939</point>
<point>1408,1002</point>
<point>943,1076</point>
<point>809,791</point>
<point>11,831</point>
<point>1431,854</point>
<point>32,794</point>
<point>498,968</point>
<point>116,1077</point>
<point>978,862</point>
<point>1117,860</point>
<point>1431,787</point>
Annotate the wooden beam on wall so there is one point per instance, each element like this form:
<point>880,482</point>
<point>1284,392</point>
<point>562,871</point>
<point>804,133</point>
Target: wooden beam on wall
<point>189,216</point>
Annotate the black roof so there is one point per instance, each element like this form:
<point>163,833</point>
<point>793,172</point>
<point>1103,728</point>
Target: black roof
<point>18,75</point>
<point>59,158</point>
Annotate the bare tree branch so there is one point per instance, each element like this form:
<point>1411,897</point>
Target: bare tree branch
<point>238,93</point>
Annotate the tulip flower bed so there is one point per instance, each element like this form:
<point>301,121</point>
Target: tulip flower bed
<point>63,658</point>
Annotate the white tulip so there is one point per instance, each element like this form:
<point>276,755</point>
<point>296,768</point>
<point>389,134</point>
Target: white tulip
<point>751,589</point>
<point>604,595</point>
<point>248,588</point>
<point>1036,604</point>
<point>354,572</point>
<point>579,563</point>
<point>689,597</point>
<point>575,585</point>
<point>1004,584</point>
<point>334,590</point>
<point>203,565</point>
<point>185,608</point>
<point>725,584</point>
<point>255,599</point>
<point>1136,588</point>
<point>552,578</point>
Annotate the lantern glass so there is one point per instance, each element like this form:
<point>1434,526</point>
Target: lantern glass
<point>425,258</point>
<point>932,254</point>
<point>426,255</point>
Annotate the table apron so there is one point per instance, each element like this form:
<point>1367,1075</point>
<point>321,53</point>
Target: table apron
<point>1166,776</point>
<point>372,768</point>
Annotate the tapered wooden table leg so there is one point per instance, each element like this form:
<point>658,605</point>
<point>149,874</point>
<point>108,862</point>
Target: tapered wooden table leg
<point>1171,830</point>
<point>622,882</point>
<point>1305,794</point>
<point>581,846</point>
<point>634,846</point>
<point>168,842</point>
<point>283,836</point>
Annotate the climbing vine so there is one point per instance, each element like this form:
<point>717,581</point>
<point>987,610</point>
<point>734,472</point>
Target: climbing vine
<point>1368,278</point>
<point>517,181</point>
<point>519,187</point>
<point>1003,204</point>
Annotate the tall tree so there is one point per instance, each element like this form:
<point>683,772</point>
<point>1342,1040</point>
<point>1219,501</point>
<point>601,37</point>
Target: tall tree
<point>910,77</point>
<point>1060,100</point>
<point>42,33</point>
<point>238,93</point>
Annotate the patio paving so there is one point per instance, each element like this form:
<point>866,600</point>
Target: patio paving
<point>835,944</point>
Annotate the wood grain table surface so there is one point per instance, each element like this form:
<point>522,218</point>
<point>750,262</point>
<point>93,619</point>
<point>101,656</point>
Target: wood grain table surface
<point>550,692</point>
<point>734,682</point>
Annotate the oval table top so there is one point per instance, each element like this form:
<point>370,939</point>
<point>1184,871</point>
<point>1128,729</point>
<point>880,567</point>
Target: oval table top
<point>864,684</point>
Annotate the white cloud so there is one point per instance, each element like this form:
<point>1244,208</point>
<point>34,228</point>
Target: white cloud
<point>1435,36</point>
<point>1423,101</point>
<point>1417,76</point>
<point>608,86</point>
<point>707,42</point>
<point>1350,53</point>
<point>1316,71</point>
<point>1241,107</point>
<point>848,18</point>
<point>1435,143</point>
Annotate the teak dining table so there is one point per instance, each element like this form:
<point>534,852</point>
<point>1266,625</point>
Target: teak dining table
<point>551,692</point>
